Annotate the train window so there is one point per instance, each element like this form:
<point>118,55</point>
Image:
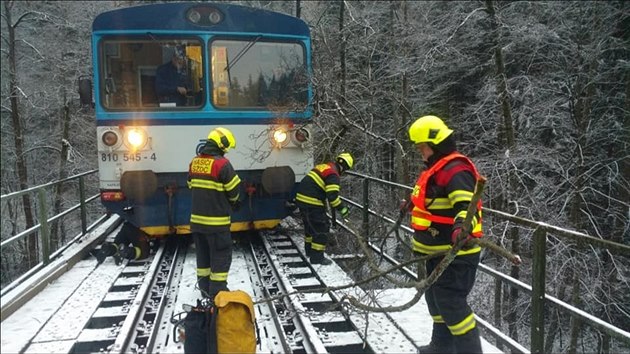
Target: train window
<point>258,74</point>
<point>151,73</point>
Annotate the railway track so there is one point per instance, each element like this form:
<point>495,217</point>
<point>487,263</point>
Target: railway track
<point>124,320</point>
<point>311,322</point>
<point>128,308</point>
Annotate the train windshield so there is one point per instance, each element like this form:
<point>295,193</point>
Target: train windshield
<point>151,73</point>
<point>258,74</point>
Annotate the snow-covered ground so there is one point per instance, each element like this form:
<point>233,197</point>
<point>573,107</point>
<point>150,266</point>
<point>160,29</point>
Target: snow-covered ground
<point>77,299</point>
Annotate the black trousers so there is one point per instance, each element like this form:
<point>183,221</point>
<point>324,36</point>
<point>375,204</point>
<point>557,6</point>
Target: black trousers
<point>316,227</point>
<point>447,296</point>
<point>131,234</point>
<point>214,258</point>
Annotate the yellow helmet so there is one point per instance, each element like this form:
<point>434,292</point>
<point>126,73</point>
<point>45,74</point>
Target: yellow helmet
<point>346,160</point>
<point>223,137</point>
<point>428,129</point>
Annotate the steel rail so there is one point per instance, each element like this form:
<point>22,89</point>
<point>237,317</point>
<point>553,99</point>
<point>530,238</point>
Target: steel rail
<point>310,339</point>
<point>274,314</point>
<point>128,330</point>
<point>164,299</point>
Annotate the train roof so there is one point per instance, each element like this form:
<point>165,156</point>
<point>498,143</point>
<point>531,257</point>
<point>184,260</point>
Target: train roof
<point>172,16</point>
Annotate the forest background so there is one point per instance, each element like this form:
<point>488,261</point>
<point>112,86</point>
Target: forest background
<point>538,93</point>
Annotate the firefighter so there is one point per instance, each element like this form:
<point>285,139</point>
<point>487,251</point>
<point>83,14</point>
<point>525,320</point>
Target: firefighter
<point>215,195</point>
<point>321,184</point>
<point>130,243</point>
<point>440,201</point>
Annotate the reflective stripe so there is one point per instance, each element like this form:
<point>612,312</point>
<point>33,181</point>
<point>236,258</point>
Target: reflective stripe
<point>308,239</point>
<point>431,249</point>
<point>315,177</point>
<point>437,319</point>
<point>462,214</point>
<point>205,184</point>
<point>210,220</point>
<point>335,202</point>
<point>438,203</point>
<point>318,246</point>
<point>460,196</point>
<point>308,200</point>
<point>421,219</point>
<point>218,276</point>
<point>464,326</point>
<point>332,188</point>
<point>418,223</point>
<point>233,183</point>
<point>203,272</point>
<point>235,198</point>
<point>138,252</point>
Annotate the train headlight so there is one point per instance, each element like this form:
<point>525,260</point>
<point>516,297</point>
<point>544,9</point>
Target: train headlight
<point>109,138</point>
<point>135,138</point>
<point>279,137</point>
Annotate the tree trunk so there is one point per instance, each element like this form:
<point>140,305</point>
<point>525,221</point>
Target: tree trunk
<point>507,132</point>
<point>56,237</point>
<point>507,139</point>
<point>575,322</point>
<point>342,52</point>
<point>18,136</point>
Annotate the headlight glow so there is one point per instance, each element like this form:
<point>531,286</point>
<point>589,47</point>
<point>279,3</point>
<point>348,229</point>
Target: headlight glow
<point>136,138</point>
<point>279,136</point>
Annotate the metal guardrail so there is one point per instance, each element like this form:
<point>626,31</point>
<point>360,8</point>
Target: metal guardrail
<point>43,228</point>
<point>537,290</point>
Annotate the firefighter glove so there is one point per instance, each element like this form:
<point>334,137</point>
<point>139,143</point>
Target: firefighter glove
<point>344,211</point>
<point>455,234</point>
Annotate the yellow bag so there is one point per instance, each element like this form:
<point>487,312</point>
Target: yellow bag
<point>235,322</point>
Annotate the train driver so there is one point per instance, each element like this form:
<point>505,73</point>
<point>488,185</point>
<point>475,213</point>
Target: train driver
<point>171,80</point>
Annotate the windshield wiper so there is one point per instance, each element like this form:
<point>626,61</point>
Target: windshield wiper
<point>240,54</point>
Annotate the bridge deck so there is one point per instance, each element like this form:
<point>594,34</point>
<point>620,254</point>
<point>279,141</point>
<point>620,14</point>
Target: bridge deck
<point>53,319</point>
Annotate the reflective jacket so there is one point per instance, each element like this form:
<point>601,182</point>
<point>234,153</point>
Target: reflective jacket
<point>319,185</point>
<point>215,186</point>
<point>440,199</point>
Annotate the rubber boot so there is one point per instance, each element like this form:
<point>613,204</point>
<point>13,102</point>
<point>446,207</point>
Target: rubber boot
<point>204,286</point>
<point>215,287</point>
<point>307,249</point>
<point>123,252</point>
<point>127,253</point>
<point>107,249</point>
<point>317,257</point>
<point>469,342</point>
<point>441,340</point>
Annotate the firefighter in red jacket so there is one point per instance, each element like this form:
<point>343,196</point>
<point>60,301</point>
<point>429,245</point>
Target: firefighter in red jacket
<point>321,184</point>
<point>440,201</point>
<point>215,194</point>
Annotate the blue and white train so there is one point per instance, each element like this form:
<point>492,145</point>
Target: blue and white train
<point>245,69</point>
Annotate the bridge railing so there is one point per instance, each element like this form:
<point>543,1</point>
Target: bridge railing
<point>539,299</point>
<point>42,230</point>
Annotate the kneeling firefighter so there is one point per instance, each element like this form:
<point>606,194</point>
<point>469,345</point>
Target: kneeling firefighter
<point>120,249</point>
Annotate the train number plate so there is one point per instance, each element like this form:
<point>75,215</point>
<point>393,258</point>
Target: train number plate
<point>128,156</point>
